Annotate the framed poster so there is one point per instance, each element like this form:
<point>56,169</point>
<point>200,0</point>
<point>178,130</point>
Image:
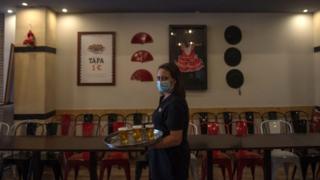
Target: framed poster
<point>96,58</point>
<point>188,50</point>
<point>8,94</point>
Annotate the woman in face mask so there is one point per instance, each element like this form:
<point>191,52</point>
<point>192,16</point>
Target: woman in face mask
<point>169,159</point>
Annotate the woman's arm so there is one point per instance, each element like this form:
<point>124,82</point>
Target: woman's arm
<point>173,139</point>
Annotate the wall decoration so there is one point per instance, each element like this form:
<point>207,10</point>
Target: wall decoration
<point>8,94</point>
<point>141,56</point>
<point>141,38</point>
<point>96,58</point>
<point>188,49</point>
<point>235,79</point>
<point>142,75</point>
<point>232,35</point>
<point>232,56</point>
<point>30,40</point>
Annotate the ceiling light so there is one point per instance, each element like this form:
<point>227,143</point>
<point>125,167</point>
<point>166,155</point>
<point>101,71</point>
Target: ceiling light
<point>10,11</point>
<point>64,10</point>
<point>24,4</point>
<point>305,10</point>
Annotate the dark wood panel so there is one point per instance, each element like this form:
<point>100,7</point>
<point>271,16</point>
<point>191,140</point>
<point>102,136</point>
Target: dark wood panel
<point>34,116</point>
<point>35,49</point>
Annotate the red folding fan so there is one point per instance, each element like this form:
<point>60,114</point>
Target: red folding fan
<point>142,75</point>
<point>141,38</point>
<point>141,56</point>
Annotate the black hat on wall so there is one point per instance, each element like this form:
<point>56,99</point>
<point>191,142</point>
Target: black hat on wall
<point>232,35</point>
<point>235,79</point>
<point>232,56</point>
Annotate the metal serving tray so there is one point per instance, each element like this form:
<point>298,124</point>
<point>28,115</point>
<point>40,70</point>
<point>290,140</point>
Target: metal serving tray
<point>113,140</point>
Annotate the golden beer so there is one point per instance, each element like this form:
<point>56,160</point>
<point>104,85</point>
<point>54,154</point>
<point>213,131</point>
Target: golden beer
<point>137,133</point>
<point>123,135</point>
<point>149,131</point>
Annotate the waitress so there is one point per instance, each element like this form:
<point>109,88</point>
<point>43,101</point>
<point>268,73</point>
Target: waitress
<point>169,159</point>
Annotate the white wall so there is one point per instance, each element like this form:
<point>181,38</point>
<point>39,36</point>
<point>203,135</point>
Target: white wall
<point>9,37</point>
<point>316,41</point>
<point>277,60</point>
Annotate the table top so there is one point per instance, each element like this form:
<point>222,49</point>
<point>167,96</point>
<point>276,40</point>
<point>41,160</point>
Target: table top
<point>274,141</point>
<point>199,142</point>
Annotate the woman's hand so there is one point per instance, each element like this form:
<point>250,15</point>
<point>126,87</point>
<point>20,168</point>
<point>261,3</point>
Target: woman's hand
<point>173,139</point>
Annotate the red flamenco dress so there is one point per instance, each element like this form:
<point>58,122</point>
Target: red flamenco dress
<point>188,60</point>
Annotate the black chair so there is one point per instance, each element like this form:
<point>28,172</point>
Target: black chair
<point>273,115</point>
<point>142,158</point>
<point>22,159</point>
<point>52,159</point>
<point>227,118</point>
<point>4,131</point>
<point>300,121</point>
<point>201,119</point>
<point>138,118</point>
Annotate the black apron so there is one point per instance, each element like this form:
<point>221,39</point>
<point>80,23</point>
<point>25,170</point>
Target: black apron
<point>171,163</point>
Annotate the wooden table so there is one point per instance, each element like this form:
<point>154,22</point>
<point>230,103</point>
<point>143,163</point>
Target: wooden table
<point>259,141</point>
<point>200,142</point>
<point>36,144</point>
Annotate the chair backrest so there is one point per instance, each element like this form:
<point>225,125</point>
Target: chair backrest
<point>28,128</point>
<point>51,128</point>
<point>227,118</point>
<point>201,119</point>
<point>215,128</point>
<point>138,118</point>
<point>253,119</point>
<point>243,127</point>
<point>273,115</point>
<point>299,120</point>
<point>4,128</point>
<point>193,129</point>
<point>315,121</point>
<point>66,124</point>
<point>107,123</point>
<point>87,125</point>
<point>276,127</point>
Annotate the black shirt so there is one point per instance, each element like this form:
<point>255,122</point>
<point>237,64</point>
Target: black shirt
<point>172,114</point>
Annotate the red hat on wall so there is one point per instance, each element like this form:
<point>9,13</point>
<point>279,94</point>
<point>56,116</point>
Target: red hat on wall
<point>142,75</point>
<point>141,56</point>
<point>30,40</point>
<point>141,38</point>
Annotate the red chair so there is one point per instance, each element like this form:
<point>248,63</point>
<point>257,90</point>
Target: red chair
<point>114,158</point>
<point>85,125</point>
<point>244,158</point>
<point>220,158</point>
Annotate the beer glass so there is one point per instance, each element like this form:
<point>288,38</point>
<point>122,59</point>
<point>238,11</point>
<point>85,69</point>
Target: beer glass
<point>137,133</point>
<point>123,135</point>
<point>149,131</point>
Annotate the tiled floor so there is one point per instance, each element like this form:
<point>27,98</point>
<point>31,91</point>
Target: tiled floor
<point>118,174</point>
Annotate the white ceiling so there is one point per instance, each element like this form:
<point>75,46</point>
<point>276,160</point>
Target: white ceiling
<point>91,6</point>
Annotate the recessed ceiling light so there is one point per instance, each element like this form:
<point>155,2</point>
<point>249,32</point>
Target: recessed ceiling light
<point>65,10</point>
<point>305,10</point>
<point>24,4</point>
<point>10,11</point>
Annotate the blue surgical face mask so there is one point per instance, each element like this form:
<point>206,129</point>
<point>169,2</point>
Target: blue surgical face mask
<point>164,86</point>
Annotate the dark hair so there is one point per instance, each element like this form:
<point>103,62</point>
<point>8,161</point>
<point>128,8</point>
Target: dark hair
<point>175,74</point>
